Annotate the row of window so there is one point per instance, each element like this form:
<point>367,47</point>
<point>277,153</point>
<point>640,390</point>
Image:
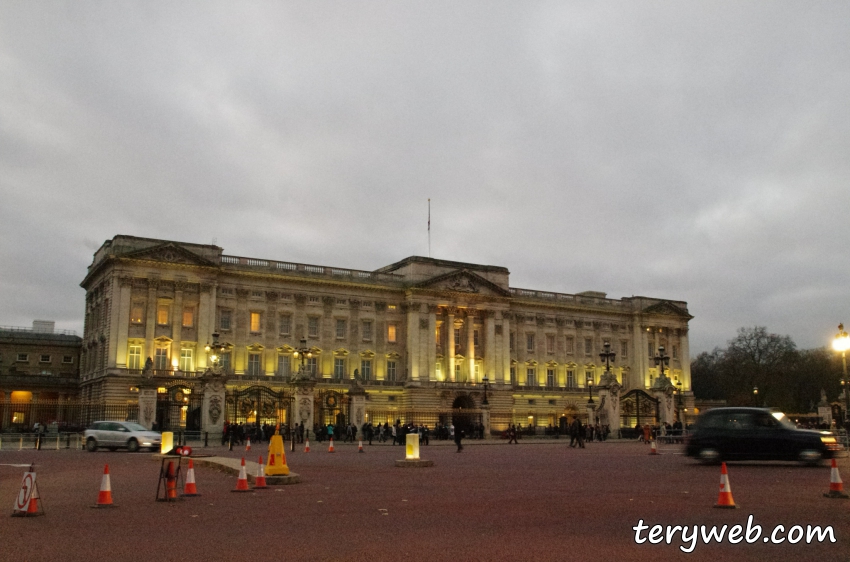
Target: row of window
<point>568,344</point>
<point>313,326</point>
<point>44,358</point>
<point>163,315</point>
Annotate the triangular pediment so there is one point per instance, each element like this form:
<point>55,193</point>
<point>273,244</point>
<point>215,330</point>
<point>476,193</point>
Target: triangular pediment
<point>666,308</point>
<point>463,281</point>
<point>169,253</point>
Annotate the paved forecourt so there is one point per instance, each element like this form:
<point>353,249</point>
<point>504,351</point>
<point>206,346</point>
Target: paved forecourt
<point>539,500</point>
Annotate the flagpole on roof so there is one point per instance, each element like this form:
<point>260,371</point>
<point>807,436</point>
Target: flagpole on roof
<point>429,227</point>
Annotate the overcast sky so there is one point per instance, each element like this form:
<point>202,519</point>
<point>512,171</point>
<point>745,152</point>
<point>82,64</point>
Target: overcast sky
<point>681,150</point>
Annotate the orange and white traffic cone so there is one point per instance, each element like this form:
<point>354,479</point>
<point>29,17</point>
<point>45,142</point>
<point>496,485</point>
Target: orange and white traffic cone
<point>190,490</point>
<point>725,498</point>
<point>654,449</point>
<point>836,486</point>
<point>306,445</point>
<point>242,482</point>
<point>331,446</point>
<point>104,497</point>
<point>260,481</point>
<point>248,445</point>
<point>360,446</point>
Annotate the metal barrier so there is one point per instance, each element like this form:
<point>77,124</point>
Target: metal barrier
<point>34,441</point>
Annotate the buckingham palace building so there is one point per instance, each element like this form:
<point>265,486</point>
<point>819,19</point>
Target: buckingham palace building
<point>422,340</point>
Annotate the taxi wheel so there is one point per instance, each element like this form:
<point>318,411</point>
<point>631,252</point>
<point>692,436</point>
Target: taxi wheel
<point>132,445</point>
<point>91,445</point>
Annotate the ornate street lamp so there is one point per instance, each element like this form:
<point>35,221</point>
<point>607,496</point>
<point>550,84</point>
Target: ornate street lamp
<point>486,382</point>
<point>304,353</point>
<point>214,350</point>
<point>755,396</point>
<point>842,343</point>
<point>607,356</point>
<point>589,380</point>
<point>661,360</point>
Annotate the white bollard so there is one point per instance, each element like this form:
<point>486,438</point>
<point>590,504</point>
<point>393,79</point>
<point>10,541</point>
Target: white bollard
<point>21,446</point>
<point>57,441</point>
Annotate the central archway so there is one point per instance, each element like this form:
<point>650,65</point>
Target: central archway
<point>464,416</point>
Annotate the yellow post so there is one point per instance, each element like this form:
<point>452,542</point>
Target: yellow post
<point>276,463</point>
<point>167,442</point>
<point>412,452</point>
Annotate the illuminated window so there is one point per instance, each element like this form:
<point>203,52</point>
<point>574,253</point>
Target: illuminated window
<point>253,364</point>
<point>550,377</point>
<point>137,314</point>
<point>226,319</point>
<point>530,377</point>
<point>367,330</point>
<point>134,357</point>
<point>340,329</point>
<point>188,317</point>
<point>339,367</point>
<point>313,327</point>
<point>570,344</point>
<point>256,320</point>
<point>529,343</point>
<point>285,324</point>
<point>391,370</point>
<point>162,314</point>
<point>160,359</point>
<point>187,362</point>
<point>391,333</point>
<point>391,307</point>
<point>550,343</point>
<point>284,366</point>
<point>571,379</point>
<point>366,369</point>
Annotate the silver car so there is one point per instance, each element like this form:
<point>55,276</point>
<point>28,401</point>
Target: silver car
<point>116,434</point>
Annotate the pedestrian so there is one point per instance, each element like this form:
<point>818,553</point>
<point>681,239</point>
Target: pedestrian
<point>512,435</point>
<point>458,436</point>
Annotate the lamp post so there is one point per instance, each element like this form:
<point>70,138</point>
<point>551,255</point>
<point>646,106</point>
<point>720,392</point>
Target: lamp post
<point>755,396</point>
<point>486,382</point>
<point>661,360</point>
<point>842,343</point>
<point>679,402</point>
<point>214,350</point>
<point>607,356</point>
<point>589,381</point>
<point>304,353</point>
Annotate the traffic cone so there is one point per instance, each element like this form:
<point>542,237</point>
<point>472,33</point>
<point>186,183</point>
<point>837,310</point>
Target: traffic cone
<point>260,481</point>
<point>190,490</point>
<point>331,446</point>
<point>306,445</point>
<point>836,486</point>
<point>104,497</point>
<point>32,509</point>
<point>171,483</point>
<point>654,449</point>
<point>248,445</point>
<point>242,482</point>
<point>360,446</point>
<point>725,498</point>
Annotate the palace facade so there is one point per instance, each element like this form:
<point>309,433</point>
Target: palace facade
<point>424,337</point>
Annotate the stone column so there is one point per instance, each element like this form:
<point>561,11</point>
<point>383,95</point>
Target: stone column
<point>490,345</point>
<point>412,359</point>
<point>122,307</point>
<point>666,407</point>
<point>470,344</point>
<point>609,407</point>
<point>204,325</point>
<point>357,398</point>
<point>506,347</point>
<point>303,408</point>
<point>213,409</point>
<point>450,343</point>
<point>685,359</point>
<point>431,351</point>
<point>147,404</point>
<point>150,319</point>
<point>177,320</point>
